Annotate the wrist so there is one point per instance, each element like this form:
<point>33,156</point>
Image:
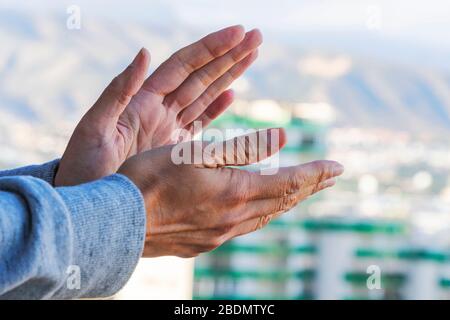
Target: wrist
<point>147,184</point>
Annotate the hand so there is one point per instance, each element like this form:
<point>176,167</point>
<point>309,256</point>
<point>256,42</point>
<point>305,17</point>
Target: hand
<point>135,114</point>
<point>195,208</point>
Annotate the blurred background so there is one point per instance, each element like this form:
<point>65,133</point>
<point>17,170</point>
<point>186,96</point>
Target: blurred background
<point>366,83</point>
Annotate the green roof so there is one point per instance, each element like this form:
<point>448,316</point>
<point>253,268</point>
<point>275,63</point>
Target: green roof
<point>406,254</point>
<point>232,248</point>
<point>387,279</point>
<point>445,283</point>
<point>316,148</point>
<point>229,119</point>
<point>374,253</point>
<point>354,226</point>
<point>275,275</point>
<point>423,254</point>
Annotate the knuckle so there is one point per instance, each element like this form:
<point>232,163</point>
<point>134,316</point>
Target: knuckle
<point>315,166</point>
<point>204,76</point>
<point>235,57</point>
<point>123,97</point>
<point>281,204</point>
<point>186,66</point>
<point>319,169</point>
<point>316,188</point>
<point>225,227</point>
<point>213,52</point>
<point>239,186</point>
<point>263,221</point>
<point>116,89</point>
<point>230,75</point>
<point>206,98</point>
<point>293,184</point>
<point>286,202</point>
<point>176,102</point>
<point>115,83</point>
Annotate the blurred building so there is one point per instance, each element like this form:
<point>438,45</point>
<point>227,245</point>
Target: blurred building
<point>358,245</point>
<point>277,261</point>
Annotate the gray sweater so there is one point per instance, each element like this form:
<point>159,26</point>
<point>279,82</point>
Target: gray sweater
<point>69,242</point>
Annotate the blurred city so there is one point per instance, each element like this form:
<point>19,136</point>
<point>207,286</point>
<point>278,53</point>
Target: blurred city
<point>365,83</point>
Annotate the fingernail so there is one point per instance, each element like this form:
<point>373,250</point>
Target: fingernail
<point>256,34</point>
<point>328,183</point>
<point>237,30</point>
<point>136,58</point>
<point>338,169</point>
<point>254,30</point>
<point>239,27</point>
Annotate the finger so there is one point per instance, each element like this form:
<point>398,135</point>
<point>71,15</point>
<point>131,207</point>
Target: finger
<point>263,207</point>
<point>316,171</point>
<point>171,73</point>
<point>215,109</point>
<point>115,98</point>
<point>198,106</point>
<point>290,180</point>
<point>255,215</point>
<point>263,211</point>
<point>201,79</point>
<point>243,150</point>
<point>250,226</point>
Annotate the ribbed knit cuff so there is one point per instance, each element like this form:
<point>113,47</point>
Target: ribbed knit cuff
<point>108,220</point>
<point>46,171</point>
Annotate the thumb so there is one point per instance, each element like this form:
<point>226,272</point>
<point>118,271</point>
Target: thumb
<point>117,95</point>
<point>244,150</point>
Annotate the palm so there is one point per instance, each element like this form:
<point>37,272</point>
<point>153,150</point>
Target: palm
<point>135,114</point>
<point>155,120</point>
<point>187,87</point>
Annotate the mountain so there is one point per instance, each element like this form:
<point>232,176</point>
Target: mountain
<point>50,75</point>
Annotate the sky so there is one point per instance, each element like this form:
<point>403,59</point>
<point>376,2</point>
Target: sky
<point>362,25</point>
<point>418,20</point>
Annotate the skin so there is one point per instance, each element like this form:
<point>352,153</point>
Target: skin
<point>135,113</point>
<point>228,202</point>
<point>191,208</point>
